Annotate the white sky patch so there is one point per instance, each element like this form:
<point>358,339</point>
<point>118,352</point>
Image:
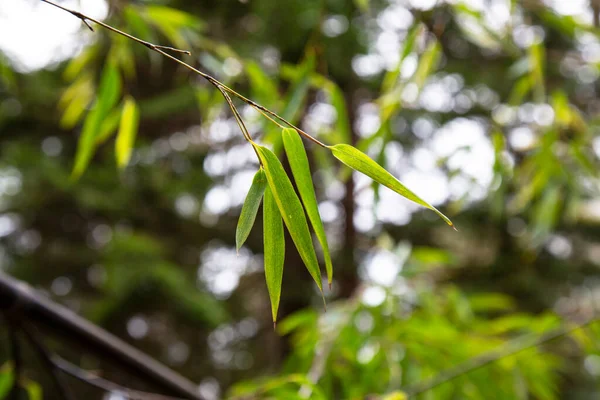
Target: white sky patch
<point>34,35</point>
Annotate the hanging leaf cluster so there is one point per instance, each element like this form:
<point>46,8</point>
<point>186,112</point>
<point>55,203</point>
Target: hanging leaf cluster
<point>283,206</point>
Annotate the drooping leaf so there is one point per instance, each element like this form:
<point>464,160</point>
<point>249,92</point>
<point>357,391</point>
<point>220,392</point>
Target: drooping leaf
<point>296,154</point>
<point>360,162</point>
<point>108,94</point>
<point>127,131</point>
<point>250,208</point>
<point>274,248</point>
<point>291,210</point>
<point>391,77</point>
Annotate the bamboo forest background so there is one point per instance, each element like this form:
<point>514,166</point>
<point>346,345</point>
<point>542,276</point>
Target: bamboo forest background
<point>488,109</point>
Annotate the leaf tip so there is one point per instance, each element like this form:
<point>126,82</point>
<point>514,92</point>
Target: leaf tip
<point>330,286</point>
<point>274,325</point>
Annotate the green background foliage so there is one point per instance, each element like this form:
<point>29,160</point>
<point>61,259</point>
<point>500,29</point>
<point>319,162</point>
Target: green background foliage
<point>123,175</point>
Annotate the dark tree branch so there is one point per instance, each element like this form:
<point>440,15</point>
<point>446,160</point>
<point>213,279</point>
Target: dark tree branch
<point>101,383</point>
<point>45,357</point>
<point>20,299</point>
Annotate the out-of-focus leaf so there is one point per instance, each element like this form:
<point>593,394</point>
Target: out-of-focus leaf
<point>34,390</point>
<point>7,75</point>
<point>127,132</point>
<point>172,23</point>
<point>298,160</point>
<point>171,16</point>
<point>519,91</point>
<point>299,86</point>
<point>360,162</point>
<point>485,302</point>
<point>546,213</point>
<point>390,100</point>
<point>363,5</point>
<point>182,292</point>
<point>291,210</point>
<point>108,93</point>
<point>342,128</point>
<point>75,100</point>
<point>80,63</point>
<point>537,59</point>
<point>300,319</point>
<point>429,257</point>
<point>6,380</point>
<point>263,88</point>
<point>250,208</point>
<point>274,248</point>
<point>427,63</point>
<point>341,131</point>
<point>138,26</point>
<point>109,126</point>
<point>122,55</point>
<point>391,77</point>
<point>395,396</point>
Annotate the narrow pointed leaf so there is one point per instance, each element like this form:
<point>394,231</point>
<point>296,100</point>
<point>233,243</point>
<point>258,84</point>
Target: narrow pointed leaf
<point>296,154</point>
<point>250,208</point>
<point>291,211</point>
<point>274,244</point>
<point>108,94</point>
<point>127,132</point>
<point>360,162</point>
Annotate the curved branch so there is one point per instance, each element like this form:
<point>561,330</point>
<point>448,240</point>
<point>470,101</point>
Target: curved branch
<point>215,82</point>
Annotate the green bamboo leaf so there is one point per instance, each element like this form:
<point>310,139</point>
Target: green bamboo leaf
<point>360,162</point>
<point>127,131</point>
<point>274,244</point>
<point>108,94</point>
<point>291,210</point>
<point>250,208</point>
<point>294,149</point>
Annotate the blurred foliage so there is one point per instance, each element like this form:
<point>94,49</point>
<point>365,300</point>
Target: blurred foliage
<point>487,111</point>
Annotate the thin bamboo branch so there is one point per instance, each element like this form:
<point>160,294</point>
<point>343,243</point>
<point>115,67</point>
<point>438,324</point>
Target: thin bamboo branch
<point>215,82</point>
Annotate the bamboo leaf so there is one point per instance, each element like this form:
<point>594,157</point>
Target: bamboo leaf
<point>274,244</point>
<point>250,208</point>
<point>296,154</point>
<point>360,162</point>
<point>108,94</point>
<point>291,210</point>
<point>127,132</point>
